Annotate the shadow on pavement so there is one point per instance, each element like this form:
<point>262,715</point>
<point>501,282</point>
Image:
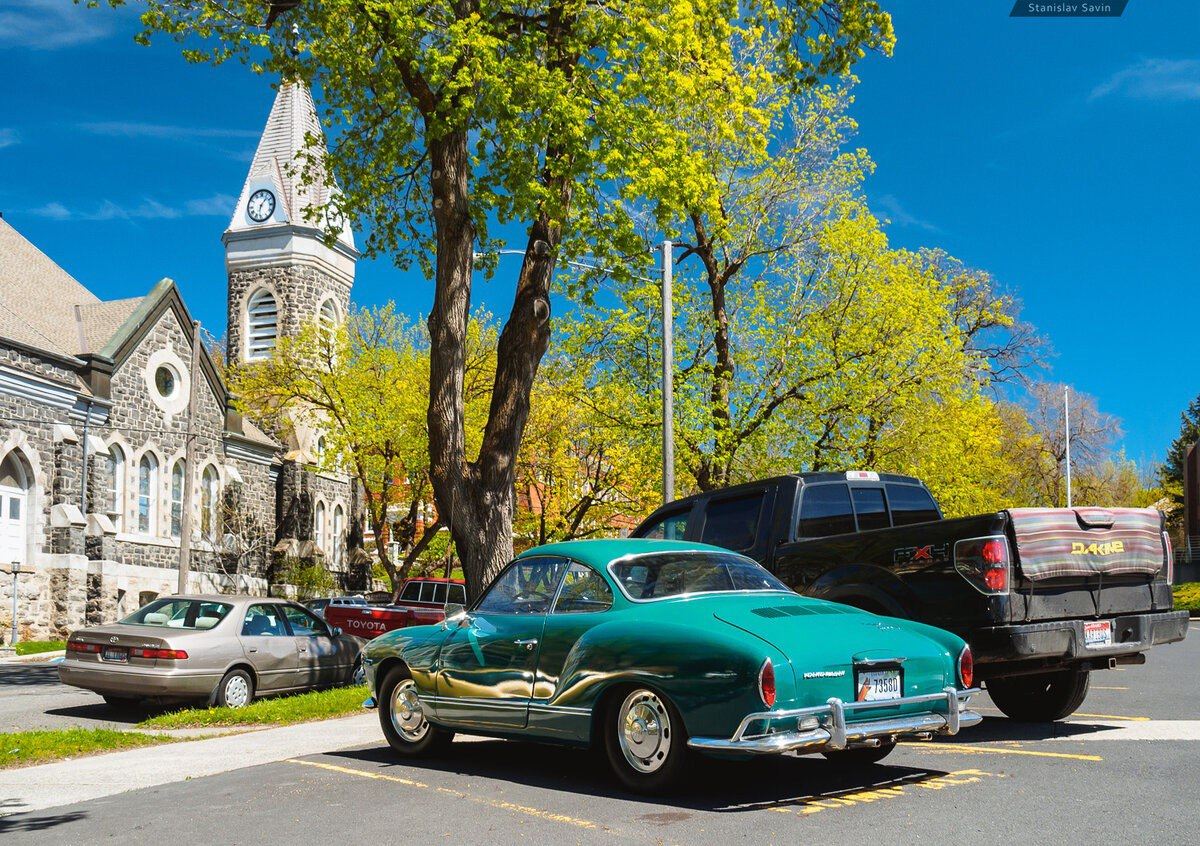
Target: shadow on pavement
<point>28,822</point>
<point>29,675</point>
<point>101,712</point>
<point>721,786</point>
<point>994,729</point>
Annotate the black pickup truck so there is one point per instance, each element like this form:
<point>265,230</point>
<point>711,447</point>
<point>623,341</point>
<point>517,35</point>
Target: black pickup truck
<point>1044,596</point>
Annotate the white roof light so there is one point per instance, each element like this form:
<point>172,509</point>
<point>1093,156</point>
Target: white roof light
<point>861,476</point>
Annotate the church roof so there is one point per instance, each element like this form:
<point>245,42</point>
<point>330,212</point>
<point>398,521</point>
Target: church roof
<point>37,297</point>
<point>279,163</point>
<point>99,322</point>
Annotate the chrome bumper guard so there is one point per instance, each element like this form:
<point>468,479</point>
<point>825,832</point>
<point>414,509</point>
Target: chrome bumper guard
<point>833,732</point>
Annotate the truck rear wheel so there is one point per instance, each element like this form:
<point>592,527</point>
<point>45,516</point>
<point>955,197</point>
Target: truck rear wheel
<point>1040,698</point>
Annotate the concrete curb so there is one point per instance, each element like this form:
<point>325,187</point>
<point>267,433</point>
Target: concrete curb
<point>35,658</point>
<point>26,789</point>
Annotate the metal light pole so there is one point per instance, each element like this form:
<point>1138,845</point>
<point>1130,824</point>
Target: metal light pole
<point>668,374</point>
<point>16,572</point>
<point>1067,431</point>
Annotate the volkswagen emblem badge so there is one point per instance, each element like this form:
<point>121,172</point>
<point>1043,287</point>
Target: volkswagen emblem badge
<point>113,639</point>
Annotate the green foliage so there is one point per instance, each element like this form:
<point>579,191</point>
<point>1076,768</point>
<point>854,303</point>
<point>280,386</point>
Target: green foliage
<point>1189,432</point>
<point>23,748</point>
<point>311,579</point>
<point>1187,597</point>
<point>33,647</point>
<point>276,710</point>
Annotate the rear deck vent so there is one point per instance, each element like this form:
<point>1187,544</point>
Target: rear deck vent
<point>785,611</point>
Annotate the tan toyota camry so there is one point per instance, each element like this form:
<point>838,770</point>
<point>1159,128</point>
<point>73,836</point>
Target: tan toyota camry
<point>221,649</point>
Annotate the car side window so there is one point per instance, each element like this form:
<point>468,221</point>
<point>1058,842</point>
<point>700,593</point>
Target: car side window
<point>439,593</point>
<point>870,508</point>
<point>671,527</point>
<point>458,594</point>
<point>733,523</point>
<point>825,510</point>
<point>526,587</point>
<point>263,621</point>
<point>304,624</point>
<point>583,590</point>
<point>911,504</point>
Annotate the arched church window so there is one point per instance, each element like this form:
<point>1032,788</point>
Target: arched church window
<point>116,486</point>
<point>319,526</point>
<point>328,320</point>
<point>210,500</point>
<point>177,477</point>
<point>148,494</point>
<point>262,325</point>
<point>337,535</point>
<point>14,507</point>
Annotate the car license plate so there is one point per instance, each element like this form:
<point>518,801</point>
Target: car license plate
<point>1097,634</point>
<point>878,685</point>
<point>118,655</point>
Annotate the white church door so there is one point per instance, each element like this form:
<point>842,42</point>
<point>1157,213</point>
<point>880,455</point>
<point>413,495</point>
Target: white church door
<point>14,511</point>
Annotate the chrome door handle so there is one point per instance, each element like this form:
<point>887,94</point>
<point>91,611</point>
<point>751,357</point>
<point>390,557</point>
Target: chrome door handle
<point>528,644</point>
<point>252,649</point>
<point>303,648</point>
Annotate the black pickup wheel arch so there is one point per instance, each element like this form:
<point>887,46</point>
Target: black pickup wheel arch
<point>864,596</point>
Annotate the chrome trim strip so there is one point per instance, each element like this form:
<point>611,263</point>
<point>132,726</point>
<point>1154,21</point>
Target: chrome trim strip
<point>835,733</point>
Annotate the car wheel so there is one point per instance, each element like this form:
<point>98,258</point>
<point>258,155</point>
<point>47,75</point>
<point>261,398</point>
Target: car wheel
<point>646,741</point>
<point>403,719</point>
<point>236,690</point>
<point>1040,698</point>
<point>862,756</point>
<point>358,676</point>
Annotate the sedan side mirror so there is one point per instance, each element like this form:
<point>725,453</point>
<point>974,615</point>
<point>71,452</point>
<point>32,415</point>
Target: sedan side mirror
<point>456,614</point>
<point>335,632</point>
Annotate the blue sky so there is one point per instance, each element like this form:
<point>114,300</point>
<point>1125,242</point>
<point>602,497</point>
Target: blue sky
<point>1058,154</point>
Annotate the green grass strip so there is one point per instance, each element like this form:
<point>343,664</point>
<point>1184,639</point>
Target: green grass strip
<point>279,710</point>
<point>1187,596</point>
<point>33,647</point>
<point>22,748</point>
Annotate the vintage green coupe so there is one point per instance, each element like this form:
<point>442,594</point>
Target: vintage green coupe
<point>658,648</point>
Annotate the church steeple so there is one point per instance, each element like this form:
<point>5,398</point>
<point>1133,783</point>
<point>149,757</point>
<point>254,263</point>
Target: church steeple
<point>281,271</point>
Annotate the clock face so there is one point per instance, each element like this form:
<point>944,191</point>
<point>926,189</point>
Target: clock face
<point>261,205</point>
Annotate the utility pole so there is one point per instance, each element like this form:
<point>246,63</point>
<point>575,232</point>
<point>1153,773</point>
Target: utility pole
<point>668,376</point>
<point>1067,432</point>
<point>189,463</point>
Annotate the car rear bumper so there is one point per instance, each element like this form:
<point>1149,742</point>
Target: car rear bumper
<point>826,727</point>
<point>1064,639</point>
<point>138,681</point>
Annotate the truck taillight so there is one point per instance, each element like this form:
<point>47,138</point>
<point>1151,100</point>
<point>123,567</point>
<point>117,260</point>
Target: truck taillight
<point>985,563</point>
<point>966,667</point>
<point>1169,565</point>
<point>766,683</point>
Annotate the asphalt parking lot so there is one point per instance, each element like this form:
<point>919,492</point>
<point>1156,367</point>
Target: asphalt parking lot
<point>1119,771</point>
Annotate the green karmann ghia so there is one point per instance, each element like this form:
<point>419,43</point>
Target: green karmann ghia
<point>659,649</point>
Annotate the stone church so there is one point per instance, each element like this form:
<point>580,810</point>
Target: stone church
<point>95,426</point>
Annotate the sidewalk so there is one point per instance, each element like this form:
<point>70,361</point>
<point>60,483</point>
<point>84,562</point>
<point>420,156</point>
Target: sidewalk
<point>67,782</point>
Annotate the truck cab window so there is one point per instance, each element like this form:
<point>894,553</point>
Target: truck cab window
<point>825,510</point>
<point>911,504</point>
<point>412,592</point>
<point>671,527</point>
<point>870,508</point>
<point>733,523</point>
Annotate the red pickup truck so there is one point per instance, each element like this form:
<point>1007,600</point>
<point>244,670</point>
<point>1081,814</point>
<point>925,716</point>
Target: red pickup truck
<point>422,601</point>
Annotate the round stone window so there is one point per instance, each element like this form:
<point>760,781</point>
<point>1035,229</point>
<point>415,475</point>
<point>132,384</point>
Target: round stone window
<point>166,380</point>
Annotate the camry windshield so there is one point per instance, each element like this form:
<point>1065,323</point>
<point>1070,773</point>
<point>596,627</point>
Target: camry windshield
<point>179,614</point>
<point>663,574</point>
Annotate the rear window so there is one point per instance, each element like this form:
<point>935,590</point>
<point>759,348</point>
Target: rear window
<point>732,523</point>
<point>825,510</point>
<point>911,504</point>
<point>179,614</point>
<point>871,508</point>
<point>665,574</point>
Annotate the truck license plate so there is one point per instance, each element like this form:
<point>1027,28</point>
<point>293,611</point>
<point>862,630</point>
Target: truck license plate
<point>1097,634</point>
<point>878,685</point>
<point>118,655</point>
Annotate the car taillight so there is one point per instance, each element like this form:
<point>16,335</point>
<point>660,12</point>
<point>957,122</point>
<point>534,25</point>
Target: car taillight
<point>766,683</point>
<point>76,646</point>
<point>1169,565</point>
<point>966,667</point>
<point>985,563</point>
<point>167,654</point>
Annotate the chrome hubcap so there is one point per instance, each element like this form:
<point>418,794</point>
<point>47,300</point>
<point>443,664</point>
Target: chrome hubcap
<point>644,731</point>
<point>407,717</point>
<point>359,677</point>
<point>237,692</point>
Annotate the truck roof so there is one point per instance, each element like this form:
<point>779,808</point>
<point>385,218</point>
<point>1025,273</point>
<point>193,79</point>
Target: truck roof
<point>806,478</point>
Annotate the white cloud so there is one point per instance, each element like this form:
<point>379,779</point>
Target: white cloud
<point>130,129</point>
<point>1154,79</point>
<point>218,205</point>
<point>53,24</point>
<point>900,216</point>
<point>8,137</point>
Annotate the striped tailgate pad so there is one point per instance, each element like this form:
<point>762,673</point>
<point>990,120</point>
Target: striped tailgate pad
<point>1053,542</point>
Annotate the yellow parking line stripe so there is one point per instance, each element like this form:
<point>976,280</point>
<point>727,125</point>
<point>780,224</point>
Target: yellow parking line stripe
<point>1098,687</point>
<point>494,803</point>
<point>983,750</point>
<point>902,787</point>
<point>1112,717</point>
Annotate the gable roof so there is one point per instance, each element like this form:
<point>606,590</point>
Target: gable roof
<point>37,297</point>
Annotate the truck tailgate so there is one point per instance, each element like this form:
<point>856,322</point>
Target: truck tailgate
<point>1088,543</point>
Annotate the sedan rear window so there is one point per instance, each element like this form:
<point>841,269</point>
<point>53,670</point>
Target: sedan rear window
<point>665,574</point>
<point>179,614</point>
